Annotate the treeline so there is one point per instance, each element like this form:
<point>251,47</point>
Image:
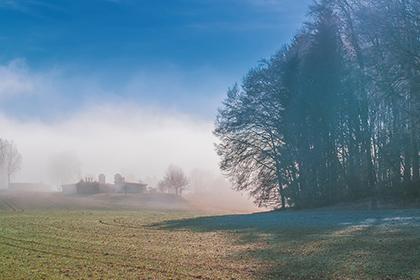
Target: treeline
<point>334,115</point>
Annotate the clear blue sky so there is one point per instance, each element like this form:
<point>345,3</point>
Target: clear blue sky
<point>181,54</point>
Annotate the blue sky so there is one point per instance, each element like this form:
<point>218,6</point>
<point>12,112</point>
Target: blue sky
<point>128,86</point>
<point>175,54</point>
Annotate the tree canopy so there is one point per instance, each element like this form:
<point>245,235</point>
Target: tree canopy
<point>334,115</point>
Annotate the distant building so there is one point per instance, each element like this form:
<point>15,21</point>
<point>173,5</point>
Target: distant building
<point>133,188</point>
<point>69,189</point>
<point>89,186</point>
<point>118,179</point>
<point>102,179</point>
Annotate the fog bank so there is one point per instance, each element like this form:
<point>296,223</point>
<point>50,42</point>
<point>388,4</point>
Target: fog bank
<point>69,125</point>
<point>107,139</point>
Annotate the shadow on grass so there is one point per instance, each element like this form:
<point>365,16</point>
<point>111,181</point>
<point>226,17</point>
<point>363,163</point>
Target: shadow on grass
<point>321,244</point>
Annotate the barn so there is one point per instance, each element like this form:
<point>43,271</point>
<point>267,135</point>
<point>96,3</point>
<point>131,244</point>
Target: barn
<point>128,187</point>
<point>69,189</point>
<point>89,186</point>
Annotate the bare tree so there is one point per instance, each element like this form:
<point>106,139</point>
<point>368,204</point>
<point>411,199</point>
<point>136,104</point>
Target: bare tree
<point>174,179</point>
<point>2,161</point>
<point>3,143</point>
<point>12,159</point>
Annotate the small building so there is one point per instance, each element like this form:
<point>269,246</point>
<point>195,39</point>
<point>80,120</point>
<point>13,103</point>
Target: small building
<point>102,179</point>
<point>69,189</point>
<point>89,186</point>
<point>84,186</point>
<point>107,188</point>
<point>128,187</point>
<point>118,179</point>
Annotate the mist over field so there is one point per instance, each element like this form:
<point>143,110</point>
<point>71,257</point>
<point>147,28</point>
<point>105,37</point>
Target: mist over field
<point>112,139</point>
<point>107,136</point>
<point>210,139</point>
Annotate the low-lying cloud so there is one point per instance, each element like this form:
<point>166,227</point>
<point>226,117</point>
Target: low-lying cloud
<point>92,125</point>
<point>113,138</point>
<point>70,127</point>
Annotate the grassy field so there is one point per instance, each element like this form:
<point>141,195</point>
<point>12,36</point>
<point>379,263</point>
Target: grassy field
<point>152,244</point>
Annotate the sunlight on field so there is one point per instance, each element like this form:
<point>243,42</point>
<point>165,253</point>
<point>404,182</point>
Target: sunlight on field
<point>185,245</point>
<point>107,245</point>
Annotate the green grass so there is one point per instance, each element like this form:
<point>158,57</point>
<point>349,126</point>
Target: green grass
<point>93,244</point>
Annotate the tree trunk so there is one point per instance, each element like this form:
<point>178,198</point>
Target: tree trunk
<point>364,106</point>
<point>414,113</point>
<point>283,199</point>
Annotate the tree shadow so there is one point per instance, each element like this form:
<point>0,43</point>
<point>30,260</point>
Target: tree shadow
<point>382,244</point>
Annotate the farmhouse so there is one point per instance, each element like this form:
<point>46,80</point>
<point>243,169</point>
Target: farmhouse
<point>90,186</point>
<point>133,187</point>
<point>68,189</point>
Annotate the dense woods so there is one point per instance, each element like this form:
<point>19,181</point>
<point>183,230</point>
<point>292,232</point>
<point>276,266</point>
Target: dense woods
<point>333,116</point>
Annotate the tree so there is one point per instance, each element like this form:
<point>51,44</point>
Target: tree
<point>3,173</point>
<point>333,116</point>
<point>3,146</point>
<point>277,132</point>
<point>12,159</point>
<point>174,179</point>
<point>249,129</point>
